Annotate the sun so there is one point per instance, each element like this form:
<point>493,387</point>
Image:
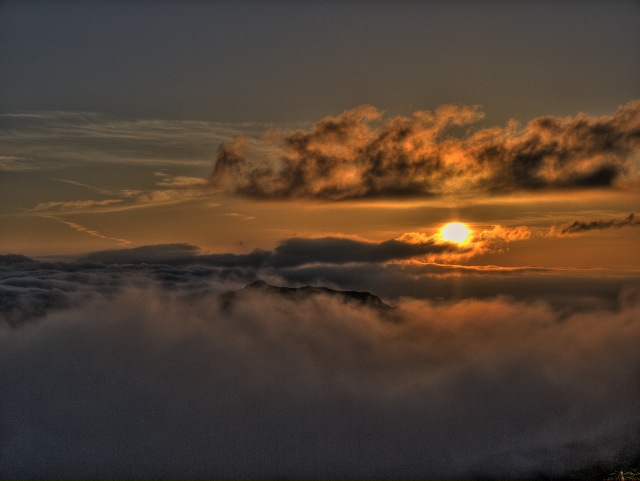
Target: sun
<point>455,232</point>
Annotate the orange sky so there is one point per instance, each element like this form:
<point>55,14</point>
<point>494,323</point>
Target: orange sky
<point>73,208</point>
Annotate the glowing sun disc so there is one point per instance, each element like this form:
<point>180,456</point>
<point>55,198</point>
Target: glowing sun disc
<point>455,232</point>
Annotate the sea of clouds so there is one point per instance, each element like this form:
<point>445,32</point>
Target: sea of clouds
<point>131,369</point>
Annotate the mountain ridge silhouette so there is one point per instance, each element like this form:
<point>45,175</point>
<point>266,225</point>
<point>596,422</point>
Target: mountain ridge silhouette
<point>358,298</point>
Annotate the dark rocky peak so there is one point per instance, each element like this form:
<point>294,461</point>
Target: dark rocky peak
<point>365,299</point>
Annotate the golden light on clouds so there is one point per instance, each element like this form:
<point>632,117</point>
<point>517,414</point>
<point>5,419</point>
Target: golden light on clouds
<point>455,232</point>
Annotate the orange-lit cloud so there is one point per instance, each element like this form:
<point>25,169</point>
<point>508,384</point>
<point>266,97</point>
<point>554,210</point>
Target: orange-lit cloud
<point>357,155</point>
<point>503,234</point>
<point>483,242</point>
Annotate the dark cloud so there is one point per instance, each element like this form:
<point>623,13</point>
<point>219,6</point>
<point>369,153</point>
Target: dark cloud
<point>151,382</point>
<point>10,259</point>
<point>289,253</point>
<point>151,254</point>
<point>331,250</point>
<point>31,288</point>
<point>354,155</point>
<point>581,226</point>
<point>327,250</point>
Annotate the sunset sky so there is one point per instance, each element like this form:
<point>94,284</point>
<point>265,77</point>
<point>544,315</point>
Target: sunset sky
<point>112,117</point>
<point>161,150</point>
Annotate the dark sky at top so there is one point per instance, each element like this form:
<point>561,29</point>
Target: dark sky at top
<point>292,61</point>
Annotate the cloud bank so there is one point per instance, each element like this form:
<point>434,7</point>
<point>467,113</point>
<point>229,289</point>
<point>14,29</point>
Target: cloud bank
<point>297,251</point>
<point>356,155</point>
<point>141,374</point>
<point>29,288</point>
<point>126,364</point>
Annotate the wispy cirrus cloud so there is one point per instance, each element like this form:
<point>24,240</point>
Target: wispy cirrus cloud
<point>238,215</point>
<point>179,181</point>
<point>80,184</point>
<point>356,155</point>
<point>46,140</point>
<point>73,205</point>
<point>80,228</point>
<point>15,163</point>
<point>172,190</point>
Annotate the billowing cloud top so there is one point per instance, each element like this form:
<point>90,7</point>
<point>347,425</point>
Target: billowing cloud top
<point>356,155</point>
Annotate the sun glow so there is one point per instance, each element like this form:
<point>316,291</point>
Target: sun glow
<point>455,232</point>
